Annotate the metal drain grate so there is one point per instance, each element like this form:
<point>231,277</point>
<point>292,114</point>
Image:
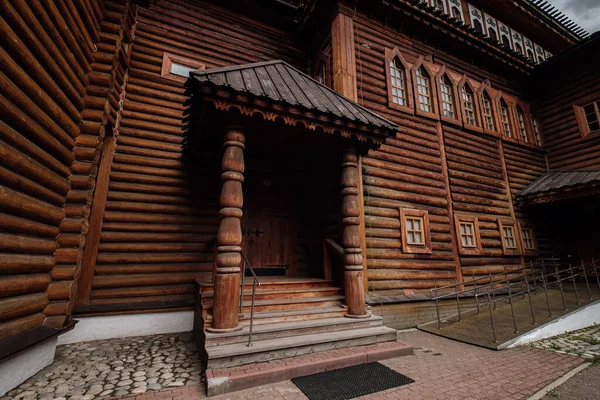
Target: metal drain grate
<point>350,382</point>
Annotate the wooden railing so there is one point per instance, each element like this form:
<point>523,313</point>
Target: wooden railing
<point>330,247</point>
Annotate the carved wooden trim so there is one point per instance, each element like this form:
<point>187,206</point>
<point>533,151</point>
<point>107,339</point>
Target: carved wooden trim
<point>170,59</point>
<point>484,90</point>
<point>521,225</point>
<point>476,104</point>
<point>408,248</point>
<point>477,250</point>
<point>509,223</point>
<point>434,114</point>
<point>456,97</point>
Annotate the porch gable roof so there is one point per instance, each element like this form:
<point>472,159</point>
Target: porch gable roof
<point>279,83</point>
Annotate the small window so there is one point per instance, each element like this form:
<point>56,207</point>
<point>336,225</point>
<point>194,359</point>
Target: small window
<point>456,13</point>
<point>492,33</point>
<point>440,5</point>
<point>518,48</point>
<point>588,118</point>
<point>528,243</point>
<point>415,234</point>
<point>505,41</point>
<point>424,91</point>
<point>510,245</point>
<point>477,26</point>
<point>521,120</point>
<point>446,92</point>
<point>488,118</point>
<point>467,234</point>
<point>178,68</point>
<point>398,82</point>
<point>469,105</point>
<point>530,55</point>
<point>322,73</point>
<point>504,118</point>
<point>508,235</point>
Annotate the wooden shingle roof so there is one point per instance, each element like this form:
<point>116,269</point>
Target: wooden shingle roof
<point>279,82</point>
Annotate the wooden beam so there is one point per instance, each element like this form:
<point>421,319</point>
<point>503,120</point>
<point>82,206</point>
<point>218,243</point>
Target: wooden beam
<point>90,251</point>
<point>344,58</point>
<point>362,232</point>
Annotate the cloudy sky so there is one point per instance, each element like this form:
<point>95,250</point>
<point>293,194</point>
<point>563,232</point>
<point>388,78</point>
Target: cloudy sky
<point>586,13</point>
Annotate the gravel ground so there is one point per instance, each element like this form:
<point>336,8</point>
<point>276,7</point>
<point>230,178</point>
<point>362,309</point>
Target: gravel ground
<point>584,343</point>
<point>583,386</point>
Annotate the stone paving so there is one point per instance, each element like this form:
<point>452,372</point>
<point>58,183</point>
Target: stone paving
<point>442,369</point>
<point>584,342</point>
<point>115,367</point>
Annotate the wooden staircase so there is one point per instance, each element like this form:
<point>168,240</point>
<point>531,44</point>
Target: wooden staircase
<point>292,317</point>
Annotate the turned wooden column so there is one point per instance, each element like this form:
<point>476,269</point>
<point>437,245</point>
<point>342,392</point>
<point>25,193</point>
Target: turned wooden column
<point>229,237</point>
<point>353,269</point>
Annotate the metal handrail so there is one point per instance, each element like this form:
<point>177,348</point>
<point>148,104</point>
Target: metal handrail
<point>528,275</point>
<point>255,281</point>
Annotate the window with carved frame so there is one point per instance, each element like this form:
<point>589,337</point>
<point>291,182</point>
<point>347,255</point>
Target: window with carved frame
<point>423,90</point>
<point>415,234</point>
<point>447,95</point>
<point>521,121</point>
<point>508,237</point>
<point>528,238</point>
<point>488,116</point>
<point>399,81</point>
<point>468,98</point>
<point>467,234</point>
<point>505,119</point>
<point>536,130</point>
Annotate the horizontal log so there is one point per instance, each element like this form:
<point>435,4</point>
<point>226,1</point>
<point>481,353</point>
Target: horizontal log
<point>16,326</point>
<point>25,263</point>
<point>416,284</point>
<point>61,290</point>
<point>151,237</point>
<point>139,258</point>
<point>114,281</point>
<point>26,206</point>
<point>26,244</point>
<point>59,308</point>
<point>19,306</point>
<point>120,269</point>
<point>411,264</point>
<point>10,179</point>
<point>68,256</point>
<point>117,216</point>
<point>14,285</point>
<point>161,290</point>
<point>391,274</point>
<point>65,272</point>
<point>10,223</point>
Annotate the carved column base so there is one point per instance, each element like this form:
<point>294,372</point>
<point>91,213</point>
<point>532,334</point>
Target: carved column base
<point>225,311</point>
<point>355,294</point>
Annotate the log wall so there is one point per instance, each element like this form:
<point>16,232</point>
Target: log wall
<point>567,150</point>
<point>48,147</point>
<point>438,167</point>
<point>157,222</point>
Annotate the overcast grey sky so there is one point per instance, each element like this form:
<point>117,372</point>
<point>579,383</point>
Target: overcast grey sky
<point>586,13</point>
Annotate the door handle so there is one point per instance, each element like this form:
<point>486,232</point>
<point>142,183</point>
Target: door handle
<point>254,231</point>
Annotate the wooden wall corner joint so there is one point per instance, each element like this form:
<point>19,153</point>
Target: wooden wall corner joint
<point>344,57</point>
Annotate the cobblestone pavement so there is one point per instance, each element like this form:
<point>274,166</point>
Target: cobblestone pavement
<point>442,369</point>
<point>115,367</point>
<point>584,342</point>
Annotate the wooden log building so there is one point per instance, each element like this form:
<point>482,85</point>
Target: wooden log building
<point>147,147</point>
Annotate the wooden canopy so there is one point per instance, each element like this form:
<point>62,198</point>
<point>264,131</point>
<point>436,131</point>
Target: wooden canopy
<point>560,185</point>
<point>275,89</point>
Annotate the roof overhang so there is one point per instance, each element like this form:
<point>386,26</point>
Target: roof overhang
<point>276,90</point>
<point>560,185</point>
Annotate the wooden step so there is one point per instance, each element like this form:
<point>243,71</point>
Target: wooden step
<point>230,355</point>
<point>287,329</point>
<point>279,283</point>
<point>301,314</point>
<point>284,304</point>
<point>277,293</point>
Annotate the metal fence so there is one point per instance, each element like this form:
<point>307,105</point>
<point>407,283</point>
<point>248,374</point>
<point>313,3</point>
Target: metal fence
<point>521,282</point>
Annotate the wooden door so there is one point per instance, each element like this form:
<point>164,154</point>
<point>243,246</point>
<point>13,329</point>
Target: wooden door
<point>268,232</point>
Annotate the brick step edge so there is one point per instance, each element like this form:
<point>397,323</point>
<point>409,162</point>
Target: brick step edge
<point>232,379</point>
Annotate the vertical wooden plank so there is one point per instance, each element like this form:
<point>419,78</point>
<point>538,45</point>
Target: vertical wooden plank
<point>90,252</point>
<point>344,58</point>
<point>440,134</point>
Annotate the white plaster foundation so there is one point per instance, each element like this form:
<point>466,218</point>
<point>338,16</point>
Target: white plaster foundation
<point>578,319</point>
<point>23,365</point>
<point>120,326</point>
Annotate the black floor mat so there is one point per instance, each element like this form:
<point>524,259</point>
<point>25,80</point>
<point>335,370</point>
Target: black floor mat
<point>350,382</point>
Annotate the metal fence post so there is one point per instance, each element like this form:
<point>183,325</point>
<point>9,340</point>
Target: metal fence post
<point>545,283</point>
<point>585,278</point>
<point>574,284</point>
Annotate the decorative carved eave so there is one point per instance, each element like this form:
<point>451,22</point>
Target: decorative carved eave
<point>296,100</point>
<point>560,185</point>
